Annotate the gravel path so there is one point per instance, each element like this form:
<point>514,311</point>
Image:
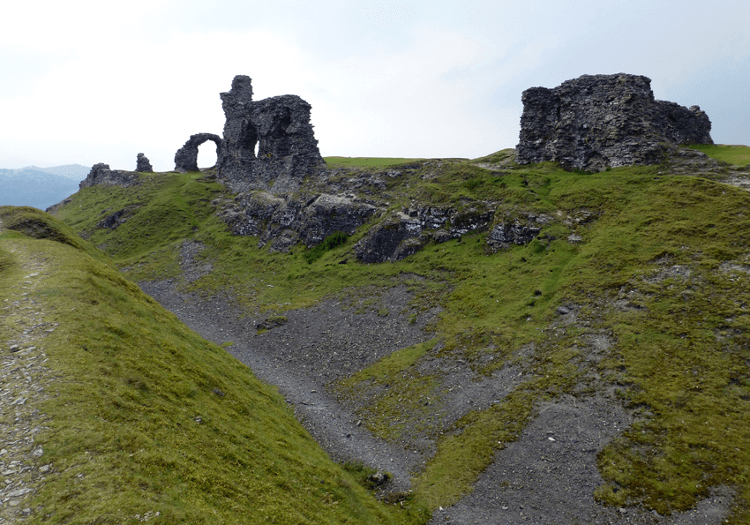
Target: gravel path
<point>24,379</point>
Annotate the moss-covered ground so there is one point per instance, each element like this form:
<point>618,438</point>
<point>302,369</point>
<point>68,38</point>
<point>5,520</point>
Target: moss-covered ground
<point>658,262</point>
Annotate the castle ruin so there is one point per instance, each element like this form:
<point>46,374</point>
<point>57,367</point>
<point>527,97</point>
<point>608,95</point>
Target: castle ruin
<point>600,121</point>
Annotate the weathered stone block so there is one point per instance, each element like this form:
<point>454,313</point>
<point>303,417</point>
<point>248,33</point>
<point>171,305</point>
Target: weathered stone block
<point>100,174</point>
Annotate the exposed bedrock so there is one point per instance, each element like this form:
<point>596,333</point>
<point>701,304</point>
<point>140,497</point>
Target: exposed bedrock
<point>284,221</point>
<point>406,232</point>
<point>279,127</point>
<point>100,174</point>
<point>186,158</point>
<point>599,121</point>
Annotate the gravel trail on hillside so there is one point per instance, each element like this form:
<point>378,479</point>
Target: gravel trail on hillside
<point>24,381</point>
<point>548,476</point>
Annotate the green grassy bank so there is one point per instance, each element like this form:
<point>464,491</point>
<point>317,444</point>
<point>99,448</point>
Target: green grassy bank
<point>147,417</point>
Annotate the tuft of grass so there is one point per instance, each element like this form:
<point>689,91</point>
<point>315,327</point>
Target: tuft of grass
<point>329,243</point>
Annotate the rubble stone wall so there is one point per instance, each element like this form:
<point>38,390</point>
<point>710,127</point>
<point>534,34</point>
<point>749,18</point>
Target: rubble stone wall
<point>599,121</point>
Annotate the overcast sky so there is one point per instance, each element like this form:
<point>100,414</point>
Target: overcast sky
<point>86,82</point>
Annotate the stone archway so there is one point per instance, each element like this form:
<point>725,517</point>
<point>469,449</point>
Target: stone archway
<point>186,158</point>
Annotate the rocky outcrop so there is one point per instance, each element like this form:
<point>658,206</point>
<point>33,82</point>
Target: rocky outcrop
<point>114,220</point>
<point>186,158</point>
<point>143,165</point>
<point>600,121</point>
<point>100,174</point>
<point>284,221</point>
<point>505,234</point>
<point>280,128</point>
<point>406,232</point>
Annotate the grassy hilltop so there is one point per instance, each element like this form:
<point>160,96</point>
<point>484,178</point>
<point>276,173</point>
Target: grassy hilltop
<point>657,264</point>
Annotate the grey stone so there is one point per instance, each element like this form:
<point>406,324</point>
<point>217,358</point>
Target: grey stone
<point>600,121</point>
<point>378,478</point>
<point>186,158</point>
<point>281,129</point>
<point>507,233</point>
<point>113,221</point>
<point>383,241</point>
<point>100,174</point>
<point>406,232</point>
<point>285,221</point>
<point>143,165</point>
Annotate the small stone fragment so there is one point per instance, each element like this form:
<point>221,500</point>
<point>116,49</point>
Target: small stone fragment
<point>378,478</point>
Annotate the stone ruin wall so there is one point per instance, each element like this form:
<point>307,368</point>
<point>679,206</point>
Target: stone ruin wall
<point>186,158</point>
<point>280,127</point>
<point>600,121</point>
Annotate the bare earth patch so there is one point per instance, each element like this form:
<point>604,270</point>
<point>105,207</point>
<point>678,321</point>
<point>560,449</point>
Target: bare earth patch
<point>549,474</point>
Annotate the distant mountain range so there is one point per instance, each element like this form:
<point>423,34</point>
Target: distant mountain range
<point>40,187</point>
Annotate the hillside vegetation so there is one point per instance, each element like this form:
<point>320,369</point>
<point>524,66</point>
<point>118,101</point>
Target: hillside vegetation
<point>655,265</point>
<point>144,419</point>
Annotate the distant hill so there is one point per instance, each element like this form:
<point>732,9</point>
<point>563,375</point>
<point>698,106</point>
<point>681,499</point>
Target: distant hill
<point>70,171</point>
<point>39,187</point>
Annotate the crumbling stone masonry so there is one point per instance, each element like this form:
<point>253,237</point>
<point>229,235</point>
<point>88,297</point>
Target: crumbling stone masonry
<point>100,174</point>
<point>186,158</point>
<point>599,121</point>
<point>281,129</point>
<point>142,164</point>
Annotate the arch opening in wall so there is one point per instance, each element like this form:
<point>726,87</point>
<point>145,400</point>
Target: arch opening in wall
<point>186,158</point>
<point>207,155</point>
<point>249,139</point>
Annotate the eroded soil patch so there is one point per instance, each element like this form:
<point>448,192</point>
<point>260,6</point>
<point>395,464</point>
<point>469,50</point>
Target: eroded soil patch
<point>548,476</point>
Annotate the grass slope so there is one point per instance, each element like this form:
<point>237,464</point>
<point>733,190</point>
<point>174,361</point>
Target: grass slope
<point>737,155</point>
<point>148,417</point>
<point>658,263</point>
<point>338,162</point>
